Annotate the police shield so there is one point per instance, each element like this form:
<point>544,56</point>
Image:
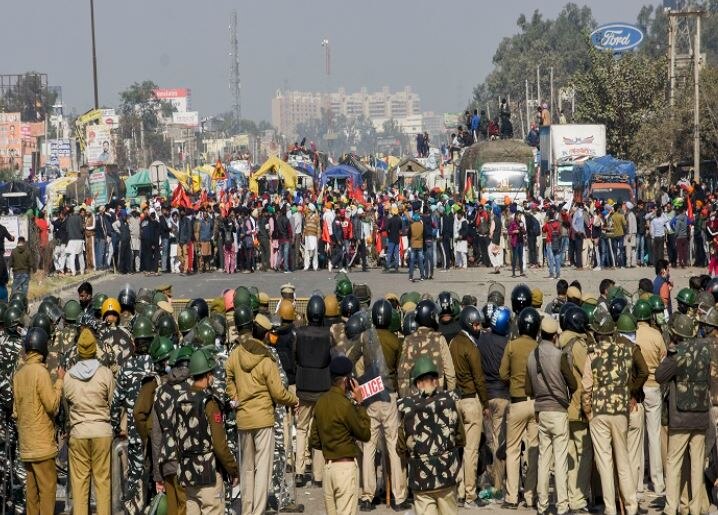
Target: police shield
<point>375,378</point>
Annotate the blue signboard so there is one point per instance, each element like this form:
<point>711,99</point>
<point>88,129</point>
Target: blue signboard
<point>616,37</point>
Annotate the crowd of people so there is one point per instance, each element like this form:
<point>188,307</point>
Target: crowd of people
<point>246,233</point>
<point>430,402</point>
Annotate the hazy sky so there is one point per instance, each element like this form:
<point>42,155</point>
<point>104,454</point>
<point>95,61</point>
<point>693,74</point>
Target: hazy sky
<point>440,48</point>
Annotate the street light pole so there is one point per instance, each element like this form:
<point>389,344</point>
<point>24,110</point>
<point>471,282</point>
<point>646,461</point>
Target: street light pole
<point>94,55</point>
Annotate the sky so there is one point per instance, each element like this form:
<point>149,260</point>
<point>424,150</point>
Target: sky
<point>441,49</point>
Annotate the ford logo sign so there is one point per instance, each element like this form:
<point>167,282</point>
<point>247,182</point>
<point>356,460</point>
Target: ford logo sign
<point>616,37</point>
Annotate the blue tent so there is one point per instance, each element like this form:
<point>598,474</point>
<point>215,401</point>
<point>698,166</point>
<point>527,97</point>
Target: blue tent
<point>604,165</point>
<point>342,172</point>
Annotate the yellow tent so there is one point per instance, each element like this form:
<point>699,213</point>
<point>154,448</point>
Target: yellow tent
<point>391,161</point>
<point>184,179</point>
<point>276,166</point>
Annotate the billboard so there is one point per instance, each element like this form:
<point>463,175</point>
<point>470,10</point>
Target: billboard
<point>98,186</point>
<point>10,136</point>
<point>187,119</point>
<point>98,146</point>
<point>616,37</point>
<point>178,97</point>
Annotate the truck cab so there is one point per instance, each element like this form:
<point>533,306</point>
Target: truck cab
<point>499,180</point>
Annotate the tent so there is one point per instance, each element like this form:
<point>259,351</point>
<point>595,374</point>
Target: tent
<point>184,179</point>
<point>277,168</point>
<point>138,183</point>
<point>607,166</point>
<point>341,172</point>
<point>409,165</point>
<point>56,189</point>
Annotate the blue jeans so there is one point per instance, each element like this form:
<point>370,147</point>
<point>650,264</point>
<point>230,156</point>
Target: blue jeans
<point>416,255</point>
<point>517,258</point>
<point>618,253</point>
<point>392,256</point>
<point>429,259</point>
<point>165,265</point>
<point>284,249</point>
<point>100,253</point>
<point>20,282</point>
<point>640,248</point>
<point>554,261</point>
<point>564,248</point>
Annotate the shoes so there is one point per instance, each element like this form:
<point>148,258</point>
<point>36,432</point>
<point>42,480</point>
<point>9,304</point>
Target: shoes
<point>366,506</point>
<point>403,506</point>
<point>292,507</point>
<point>460,502</point>
<point>509,505</point>
<point>513,275</point>
<point>301,480</point>
<point>480,503</point>
<point>317,484</point>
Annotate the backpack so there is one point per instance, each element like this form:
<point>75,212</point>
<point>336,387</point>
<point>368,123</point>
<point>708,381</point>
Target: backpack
<point>483,226</point>
<point>555,230</point>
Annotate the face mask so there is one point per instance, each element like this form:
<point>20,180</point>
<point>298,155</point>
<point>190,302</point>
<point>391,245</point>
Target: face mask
<point>428,391</point>
<point>167,369</point>
<point>661,319</point>
<point>630,336</point>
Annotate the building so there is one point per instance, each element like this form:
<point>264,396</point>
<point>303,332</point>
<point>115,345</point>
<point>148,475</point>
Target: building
<point>292,108</point>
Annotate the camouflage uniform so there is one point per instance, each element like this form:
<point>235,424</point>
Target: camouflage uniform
<point>279,488</point>
<point>88,319</point>
<point>10,349</point>
<point>605,399</point>
<point>425,342</point>
<point>63,342</point>
<point>338,339</point>
<point>119,341</point>
<point>430,436</point>
<point>129,382</point>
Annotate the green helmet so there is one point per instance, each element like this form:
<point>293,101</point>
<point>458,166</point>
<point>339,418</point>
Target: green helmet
<point>43,321</point>
<point>705,299</point>
<point>243,317</point>
<point>422,366</point>
<point>12,317</point>
<point>343,288</point>
<point>160,348</point>
<point>201,362</point>
<point>410,296</point>
<point>72,310</point>
<point>143,327</point>
<point>682,326</point>
<point>158,506</point>
<point>219,324</point>
<point>656,304</point>
<point>205,334</point>
<point>187,320</point>
<point>642,310</point>
<point>616,292</point>
<point>709,317</point>
<point>602,323</point>
<point>165,324</point>
<point>180,354</point>
<point>97,301</point>
<point>589,309</point>
<point>395,324</point>
<point>19,304</point>
<point>21,297</point>
<point>150,310</point>
<point>242,297</point>
<point>159,297</point>
<point>626,323</point>
<point>687,296</point>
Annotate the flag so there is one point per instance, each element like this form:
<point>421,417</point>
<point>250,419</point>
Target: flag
<point>469,192</point>
<point>180,198</point>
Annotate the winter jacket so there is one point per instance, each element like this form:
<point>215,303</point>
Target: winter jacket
<point>88,390</point>
<point>22,260</point>
<point>35,404</point>
<point>75,227</point>
<point>253,382</point>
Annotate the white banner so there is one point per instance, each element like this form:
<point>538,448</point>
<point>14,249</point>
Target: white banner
<point>99,150</point>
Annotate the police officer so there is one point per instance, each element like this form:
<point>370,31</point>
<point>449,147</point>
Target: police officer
<point>186,323</point>
<point>313,379</point>
<point>653,349</point>
<point>35,426</point>
<point>551,382</point>
<point>605,400</point>
<point>573,343</point>
<point>337,337</point>
<point>129,381</point>
<point>471,387</point>
<point>448,325</point>
<point>425,341</point>
<point>160,350</point>
<point>379,350</point>
<point>338,422</point>
<point>127,299</point>
<point>114,336</point>
<point>491,345</point>
<point>65,338</point>
<point>242,316</point>
<point>201,443</point>
<point>686,370</point>
<point>164,444</point>
<point>433,421</point>
<point>521,420</point>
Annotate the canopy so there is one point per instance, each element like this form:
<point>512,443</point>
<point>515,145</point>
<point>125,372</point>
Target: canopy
<point>278,167</point>
<point>342,172</point>
<point>56,189</point>
<point>140,179</point>
<point>606,165</point>
<point>409,165</point>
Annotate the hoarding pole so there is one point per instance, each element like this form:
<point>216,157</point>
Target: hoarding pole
<point>528,114</point>
<point>94,54</point>
<point>551,106</point>
<point>697,104</point>
<point>538,84</point>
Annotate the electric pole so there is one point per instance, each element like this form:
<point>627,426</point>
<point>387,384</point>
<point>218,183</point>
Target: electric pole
<point>234,82</point>
<point>94,54</point>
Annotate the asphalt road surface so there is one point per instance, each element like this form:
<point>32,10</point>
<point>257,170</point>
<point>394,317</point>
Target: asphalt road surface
<point>473,281</point>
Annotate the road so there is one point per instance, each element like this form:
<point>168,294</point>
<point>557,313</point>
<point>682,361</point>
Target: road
<point>474,281</point>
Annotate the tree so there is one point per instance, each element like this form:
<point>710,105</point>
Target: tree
<point>30,97</point>
<point>621,93</point>
<point>562,43</point>
<point>140,110</point>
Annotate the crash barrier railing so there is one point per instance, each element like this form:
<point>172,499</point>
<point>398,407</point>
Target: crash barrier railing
<point>300,304</point>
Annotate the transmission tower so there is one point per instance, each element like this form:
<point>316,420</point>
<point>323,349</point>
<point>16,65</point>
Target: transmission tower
<point>234,83</point>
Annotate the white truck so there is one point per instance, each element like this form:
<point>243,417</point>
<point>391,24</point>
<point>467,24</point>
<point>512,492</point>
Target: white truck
<point>562,147</point>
